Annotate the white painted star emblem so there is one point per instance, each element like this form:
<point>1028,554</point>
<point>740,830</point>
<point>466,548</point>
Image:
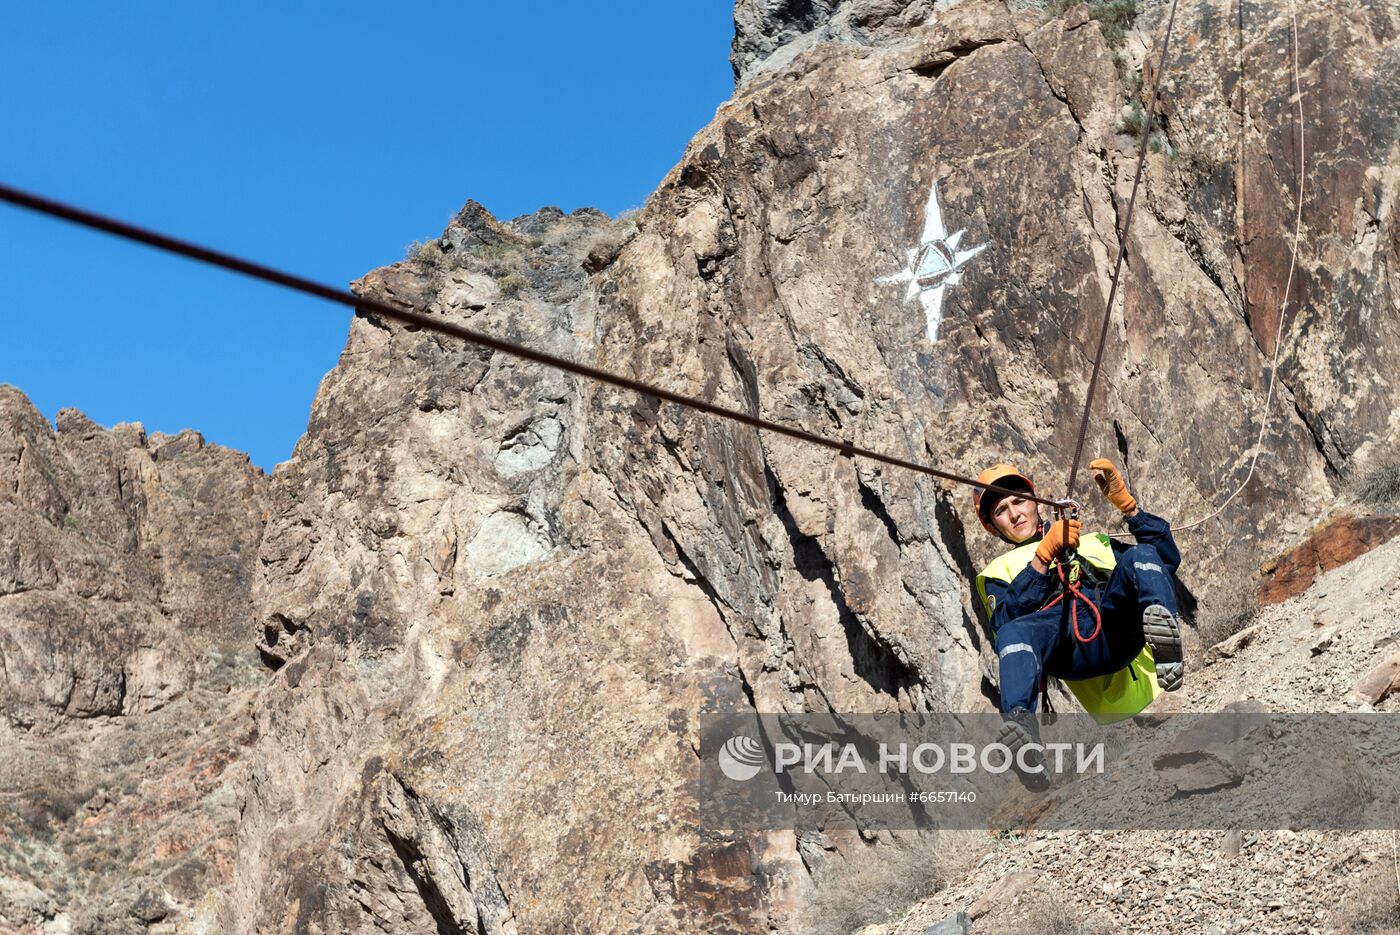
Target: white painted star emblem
<point>934,265</point>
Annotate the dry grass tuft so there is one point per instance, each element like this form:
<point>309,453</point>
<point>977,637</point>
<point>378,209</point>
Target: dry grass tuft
<point>1378,483</point>
<point>1372,907</point>
<point>1214,624</point>
<point>1053,917</point>
<point>878,884</point>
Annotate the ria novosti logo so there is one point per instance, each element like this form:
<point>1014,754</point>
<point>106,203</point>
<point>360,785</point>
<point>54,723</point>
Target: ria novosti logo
<point>741,758</point>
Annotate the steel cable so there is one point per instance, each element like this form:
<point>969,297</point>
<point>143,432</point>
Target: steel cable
<point>1122,253</point>
<point>193,251</point>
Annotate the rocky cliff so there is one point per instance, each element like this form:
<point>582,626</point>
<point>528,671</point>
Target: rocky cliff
<point>127,674</point>
<point>488,602</point>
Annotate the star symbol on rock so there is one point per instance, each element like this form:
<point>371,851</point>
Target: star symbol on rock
<point>934,265</point>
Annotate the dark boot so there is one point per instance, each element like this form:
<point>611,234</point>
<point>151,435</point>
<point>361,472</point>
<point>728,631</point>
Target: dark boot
<point>1018,729</point>
<point>1162,630</point>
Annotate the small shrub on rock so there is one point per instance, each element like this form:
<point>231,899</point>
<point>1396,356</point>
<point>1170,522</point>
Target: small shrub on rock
<point>512,283</point>
<point>1378,483</point>
<point>1115,17</point>
<point>423,251</point>
<point>1372,907</point>
<point>876,885</point>
<point>1217,623</point>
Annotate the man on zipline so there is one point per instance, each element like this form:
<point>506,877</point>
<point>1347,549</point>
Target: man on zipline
<point>1105,622</point>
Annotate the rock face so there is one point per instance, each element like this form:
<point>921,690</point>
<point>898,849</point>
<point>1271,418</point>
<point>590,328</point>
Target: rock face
<point>769,33</point>
<point>491,601</point>
<point>490,587</point>
<point>121,555</point>
<point>1335,542</point>
<point>126,571</point>
<point>494,695</point>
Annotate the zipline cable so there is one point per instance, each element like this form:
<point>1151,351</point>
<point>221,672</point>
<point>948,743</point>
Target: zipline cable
<point>193,251</point>
<point>1122,253</point>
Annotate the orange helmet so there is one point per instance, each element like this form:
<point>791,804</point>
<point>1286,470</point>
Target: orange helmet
<point>1003,475</point>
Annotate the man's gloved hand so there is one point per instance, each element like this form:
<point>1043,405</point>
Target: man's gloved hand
<point>1055,540</point>
<point>1111,485</point>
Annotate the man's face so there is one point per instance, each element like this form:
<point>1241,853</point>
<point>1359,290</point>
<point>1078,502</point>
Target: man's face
<point>1016,518</point>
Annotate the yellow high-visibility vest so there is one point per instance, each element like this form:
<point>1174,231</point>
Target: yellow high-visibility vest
<point>1112,697</point>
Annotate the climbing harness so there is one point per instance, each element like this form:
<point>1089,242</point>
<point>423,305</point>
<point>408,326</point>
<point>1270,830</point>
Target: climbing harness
<point>1071,585</point>
<point>1071,582</point>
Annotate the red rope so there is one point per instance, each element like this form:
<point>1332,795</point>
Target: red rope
<point>1072,588</point>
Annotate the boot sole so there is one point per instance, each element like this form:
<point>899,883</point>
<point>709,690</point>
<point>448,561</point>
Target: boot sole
<point>1014,736</point>
<point>1162,629</point>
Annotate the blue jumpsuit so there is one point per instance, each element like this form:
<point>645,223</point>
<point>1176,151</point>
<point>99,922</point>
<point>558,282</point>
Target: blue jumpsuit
<point>1032,642</point>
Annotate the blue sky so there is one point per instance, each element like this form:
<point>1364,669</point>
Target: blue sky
<point>317,137</point>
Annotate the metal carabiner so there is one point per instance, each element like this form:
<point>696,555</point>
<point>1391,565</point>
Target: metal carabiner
<point>1067,510</point>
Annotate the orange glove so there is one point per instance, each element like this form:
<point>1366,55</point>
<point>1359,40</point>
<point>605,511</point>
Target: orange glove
<point>1055,540</point>
<point>1111,485</point>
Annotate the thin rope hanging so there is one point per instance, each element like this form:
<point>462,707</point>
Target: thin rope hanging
<point>1267,410</point>
<point>1287,288</point>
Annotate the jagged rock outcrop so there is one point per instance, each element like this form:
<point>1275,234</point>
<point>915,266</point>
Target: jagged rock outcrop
<point>770,33</point>
<point>491,601</point>
<point>126,667</point>
<point>489,692</point>
<point>123,558</point>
